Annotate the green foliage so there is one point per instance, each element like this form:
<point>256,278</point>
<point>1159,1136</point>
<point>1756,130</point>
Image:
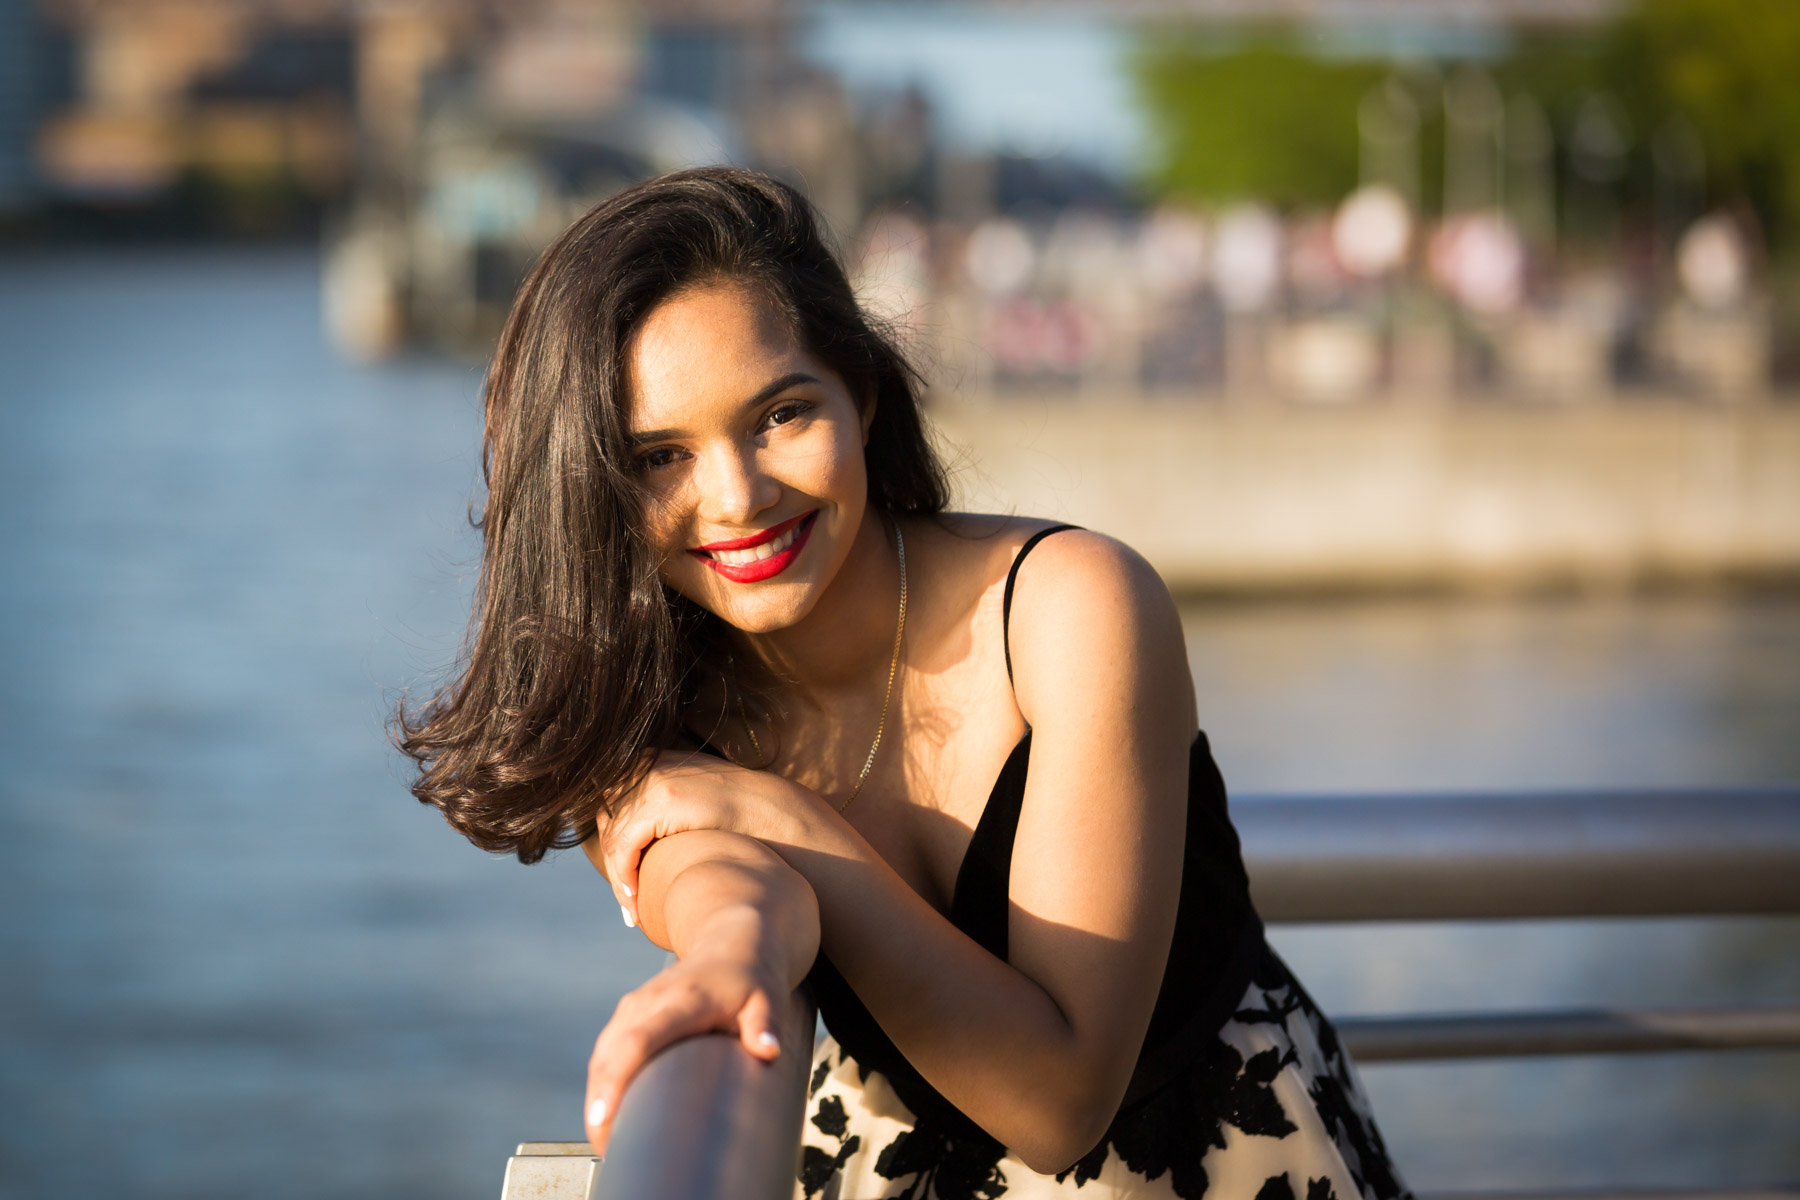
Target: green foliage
<point>1563,70</point>
<point>1259,122</point>
<point>1733,68</point>
<point>1265,119</point>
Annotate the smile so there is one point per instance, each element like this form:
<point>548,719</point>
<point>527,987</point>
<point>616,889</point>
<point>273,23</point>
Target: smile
<point>761,555</point>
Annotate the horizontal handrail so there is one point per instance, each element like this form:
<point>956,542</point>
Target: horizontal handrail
<point>1451,856</point>
<point>1578,1031</point>
<point>704,1120</point>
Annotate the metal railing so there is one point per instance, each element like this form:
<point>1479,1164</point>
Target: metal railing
<point>705,1120</point>
<point>1452,856</point>
<point>1543,855</point>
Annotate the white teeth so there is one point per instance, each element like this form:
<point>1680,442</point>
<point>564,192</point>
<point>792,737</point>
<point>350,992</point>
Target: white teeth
<point>738,558</point>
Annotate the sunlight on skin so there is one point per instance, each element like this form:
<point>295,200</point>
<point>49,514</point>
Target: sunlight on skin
<point>725,459</point>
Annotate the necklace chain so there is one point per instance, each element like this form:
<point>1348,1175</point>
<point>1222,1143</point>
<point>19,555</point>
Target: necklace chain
<point>886,696</point>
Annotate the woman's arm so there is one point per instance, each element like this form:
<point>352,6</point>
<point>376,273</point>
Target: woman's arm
<point>1037,1049</point>
<point>745,928</point>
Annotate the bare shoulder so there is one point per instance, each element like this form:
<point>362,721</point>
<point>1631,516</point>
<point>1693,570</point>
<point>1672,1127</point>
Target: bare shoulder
<point>1089,616</point>
<point>1089,567</point>
<point>977,550</point>
<point>1092,620</point>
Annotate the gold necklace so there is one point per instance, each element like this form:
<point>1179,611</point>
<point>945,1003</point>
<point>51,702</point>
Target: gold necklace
<point>893,670</point>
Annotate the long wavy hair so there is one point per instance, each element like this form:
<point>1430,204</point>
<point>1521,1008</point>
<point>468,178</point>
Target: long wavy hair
<point>579,663</point>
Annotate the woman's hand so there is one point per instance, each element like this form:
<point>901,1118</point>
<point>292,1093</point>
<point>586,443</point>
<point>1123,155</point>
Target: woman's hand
<point>710,990</point>
<point>686,791</point>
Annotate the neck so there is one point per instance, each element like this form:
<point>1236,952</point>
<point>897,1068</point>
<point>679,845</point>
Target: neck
<point>848,637</point>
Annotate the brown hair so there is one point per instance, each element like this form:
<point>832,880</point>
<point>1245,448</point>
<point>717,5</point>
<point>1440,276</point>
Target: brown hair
<point>579,662</point>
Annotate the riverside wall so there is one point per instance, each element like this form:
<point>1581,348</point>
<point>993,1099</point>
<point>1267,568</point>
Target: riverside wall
<point>1266,497</point>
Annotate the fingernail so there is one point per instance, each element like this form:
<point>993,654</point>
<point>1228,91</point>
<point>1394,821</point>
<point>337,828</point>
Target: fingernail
<point>596,1113</point>
<point>626,888</point>
<point>768,1040</point>
<point>630,921</point>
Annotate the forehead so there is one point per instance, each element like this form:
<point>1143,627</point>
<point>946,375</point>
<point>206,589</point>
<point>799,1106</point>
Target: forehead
<point>713,345</point>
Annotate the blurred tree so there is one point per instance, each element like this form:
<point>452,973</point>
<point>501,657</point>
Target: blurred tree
<point>1731,67</point>
<point>1264,119</point>
<point>1255,122</point>
<point>1727,67</point>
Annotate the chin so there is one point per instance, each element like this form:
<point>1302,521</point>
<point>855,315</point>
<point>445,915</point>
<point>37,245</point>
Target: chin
<point>749,611</point>
<point>762,621</point>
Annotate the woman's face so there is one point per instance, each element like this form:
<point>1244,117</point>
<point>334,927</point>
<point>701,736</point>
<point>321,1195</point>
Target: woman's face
<point>751,453</point>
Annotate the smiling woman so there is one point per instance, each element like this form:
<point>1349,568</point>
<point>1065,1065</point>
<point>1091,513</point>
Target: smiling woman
<point>984,832</point>
<point>748,460</point>
<point>581,661</point>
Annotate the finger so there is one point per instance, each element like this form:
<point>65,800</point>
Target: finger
<point>595,847</point>
<point>627,908</point>
<point>624,891</point>
<point>756,1026</point>
<point>600,1102</point>
<point>624,858</point>
<point>628,886</point>
<point>620,1052</point>
<point>645,1022</point>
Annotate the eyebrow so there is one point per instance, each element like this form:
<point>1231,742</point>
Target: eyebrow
<point>768,390</point>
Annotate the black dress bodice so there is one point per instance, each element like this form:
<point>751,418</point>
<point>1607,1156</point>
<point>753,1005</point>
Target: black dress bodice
<point>1216,945</point>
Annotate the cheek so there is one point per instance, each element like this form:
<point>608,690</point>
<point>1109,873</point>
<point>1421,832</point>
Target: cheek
<point>682,572</point>
<point>832,466</point>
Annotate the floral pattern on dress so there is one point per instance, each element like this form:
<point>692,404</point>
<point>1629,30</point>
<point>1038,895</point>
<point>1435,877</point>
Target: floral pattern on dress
<point>1269,1110</point>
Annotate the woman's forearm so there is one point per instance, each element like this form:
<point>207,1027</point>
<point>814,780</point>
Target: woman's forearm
<point>723,895</point>
<point>1038,1048</point>
<point>992,1040</point>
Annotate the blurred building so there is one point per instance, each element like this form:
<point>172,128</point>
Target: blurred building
<point>248,105</point>
<point>510,122</point>
<point>1439,225</point>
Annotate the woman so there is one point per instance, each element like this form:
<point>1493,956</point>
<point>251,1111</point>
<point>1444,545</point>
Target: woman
<point>943,769</point>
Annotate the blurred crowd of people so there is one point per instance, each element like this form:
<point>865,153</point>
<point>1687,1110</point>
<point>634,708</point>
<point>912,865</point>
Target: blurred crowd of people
<point>1352,304</point>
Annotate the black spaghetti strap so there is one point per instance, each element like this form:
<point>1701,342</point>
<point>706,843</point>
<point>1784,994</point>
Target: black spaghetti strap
<point>1012,577</point>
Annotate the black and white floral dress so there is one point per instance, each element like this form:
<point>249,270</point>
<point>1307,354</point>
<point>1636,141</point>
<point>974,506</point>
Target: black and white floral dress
<point>1270,1110</point>
<point>1242,1090</point>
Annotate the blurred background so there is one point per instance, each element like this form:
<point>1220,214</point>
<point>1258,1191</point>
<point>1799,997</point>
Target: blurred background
<point>1441,355</point>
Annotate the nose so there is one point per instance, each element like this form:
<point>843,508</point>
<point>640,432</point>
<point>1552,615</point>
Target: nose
<point>733,486</point>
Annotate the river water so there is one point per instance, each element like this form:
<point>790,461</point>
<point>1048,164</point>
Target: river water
<point>240,960</point>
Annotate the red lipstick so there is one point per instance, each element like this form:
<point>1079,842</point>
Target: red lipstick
<point>756,570</point>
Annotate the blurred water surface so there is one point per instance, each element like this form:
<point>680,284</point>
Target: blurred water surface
<point>241,960</point>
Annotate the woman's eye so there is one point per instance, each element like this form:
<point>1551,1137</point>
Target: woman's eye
<point>787,411</point>
<point>662,456</point>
